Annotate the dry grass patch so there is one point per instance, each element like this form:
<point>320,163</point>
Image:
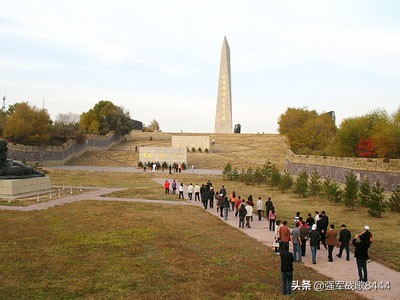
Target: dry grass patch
<point>92,250</point>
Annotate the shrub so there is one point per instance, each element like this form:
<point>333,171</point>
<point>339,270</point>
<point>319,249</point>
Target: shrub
<point>199,150</point>
<point>258,176</point>
<point>183,166</point>
<point>164,165</point>
<point>193,149</point>
<point>275,176</point>
<point>332,191</point>
<point>286,182</point>
<point>301,185</point>
<point>315,185</point>
<point>249,176</point>
<point>206,150</point>
<point>364,193</point>
<point>376,202</point>
<point>227,171</point>
<point>140,164</point>
<point>394,200</point>
<point>351,190</point>
<point>235,174</point>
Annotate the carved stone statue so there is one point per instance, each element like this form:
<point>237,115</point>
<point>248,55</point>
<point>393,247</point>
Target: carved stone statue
<point>13,169</point>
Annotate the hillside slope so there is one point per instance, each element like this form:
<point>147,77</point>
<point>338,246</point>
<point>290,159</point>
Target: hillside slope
<point>241,150</point>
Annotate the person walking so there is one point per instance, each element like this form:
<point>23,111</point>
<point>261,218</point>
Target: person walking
<point>362,242</point>
<point>284,233</point>
<point>344,240</point>
<point>226,206</point>
<point>173,186</point>
<point>260,206</point>
<point>315,237</point>
<point>233,200</point>
<point>277,236</point>
<point>242,214</point>
<point>166,186</point>
<point>181,191</point>
<point>249,214</point>
<point>286,269</point>
<point>310,221</point>
<point>196,191</point>
<point>268,206</point>
<point>272,218</point>
<point>190,191</point>
<point>296,243</point>
<point>304,231</point>
<point>331,240</point>
<point>237,205</point>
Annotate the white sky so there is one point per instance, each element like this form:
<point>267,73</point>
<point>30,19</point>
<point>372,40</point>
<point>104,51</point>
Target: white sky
<point>160,59</point>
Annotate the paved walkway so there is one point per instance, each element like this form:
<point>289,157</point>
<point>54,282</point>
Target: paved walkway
<point>339,270</point>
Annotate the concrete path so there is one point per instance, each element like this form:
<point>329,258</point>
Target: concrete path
<point>340,270</point>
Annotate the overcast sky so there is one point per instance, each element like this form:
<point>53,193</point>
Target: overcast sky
<point>160,59</point>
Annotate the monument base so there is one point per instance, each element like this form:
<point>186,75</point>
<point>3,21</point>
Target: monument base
<point>14,188</point>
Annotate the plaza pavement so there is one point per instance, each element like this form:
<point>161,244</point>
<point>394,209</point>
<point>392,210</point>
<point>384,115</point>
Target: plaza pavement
<point>339,270</point>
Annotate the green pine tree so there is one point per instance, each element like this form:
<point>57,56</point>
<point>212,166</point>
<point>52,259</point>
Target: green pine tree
<point>376,203</point>
<point>286,182</point>
<point>235,174</point>
<point>394,200</point>
<point>315,185</point>
<point>258,176</point>
<point>351,190</point>
<point>301,185</point>
<point>227,172</point>
<point>275,176</point>
<point>364,193</point>
<point>332,191</point>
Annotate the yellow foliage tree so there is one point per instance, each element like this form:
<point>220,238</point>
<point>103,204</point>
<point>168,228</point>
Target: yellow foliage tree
<point>27,125</point>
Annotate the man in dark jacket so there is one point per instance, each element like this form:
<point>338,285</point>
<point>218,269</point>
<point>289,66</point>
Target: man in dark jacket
<point>344,240</point>
<point>286,269</point>
<point>322,226</point>
<point>314,243</point>
<point>362,243</point>
<point>268,206</point>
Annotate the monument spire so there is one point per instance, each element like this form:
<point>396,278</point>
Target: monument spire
<point>223,116</point>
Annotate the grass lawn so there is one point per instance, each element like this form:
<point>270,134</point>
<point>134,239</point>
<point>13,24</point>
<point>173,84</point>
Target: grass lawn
<point>385,249</point>
<point>104,250</point>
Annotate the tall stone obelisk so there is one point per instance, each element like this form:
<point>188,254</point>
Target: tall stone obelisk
<point>223,116</point>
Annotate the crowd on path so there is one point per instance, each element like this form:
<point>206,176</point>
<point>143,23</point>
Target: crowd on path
<point>317,230</point>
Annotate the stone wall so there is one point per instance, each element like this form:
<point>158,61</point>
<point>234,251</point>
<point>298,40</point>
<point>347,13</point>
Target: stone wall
<point>163,154</point>
<point>191,141</point>
<point>387,172</point>
<point>60,155</point>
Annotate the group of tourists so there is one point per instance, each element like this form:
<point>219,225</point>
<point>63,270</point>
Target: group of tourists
<point>316,229</point>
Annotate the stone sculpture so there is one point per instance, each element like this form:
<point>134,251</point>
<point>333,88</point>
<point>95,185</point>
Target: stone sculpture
<point>13,169</point>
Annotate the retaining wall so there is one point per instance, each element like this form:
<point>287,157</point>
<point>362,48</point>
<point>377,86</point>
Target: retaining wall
<point>386,171</point>
<point>62,154</point>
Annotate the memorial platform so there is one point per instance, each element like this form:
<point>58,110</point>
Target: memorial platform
<point>14,188</point>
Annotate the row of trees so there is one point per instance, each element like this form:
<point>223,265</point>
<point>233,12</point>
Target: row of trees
<point>311,185</point>
<point>376,134</point>
<point>28,125</point>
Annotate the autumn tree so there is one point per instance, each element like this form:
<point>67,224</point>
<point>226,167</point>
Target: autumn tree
<point>105,117</point>
<point>307,131</point>
<point>386,137</point>
<point>353,130</point>
<point>65,127</point>
<point>27,125</point>
<point>154,126</point>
